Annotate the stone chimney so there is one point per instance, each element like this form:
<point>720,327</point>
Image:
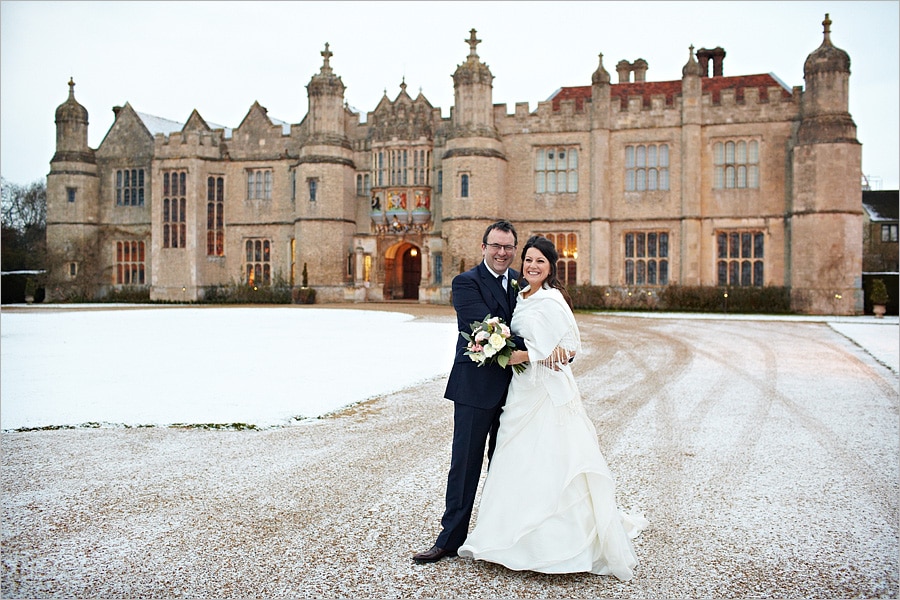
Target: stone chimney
<point>625,69</point>
<point>717,55</point>
<point>640,69</point>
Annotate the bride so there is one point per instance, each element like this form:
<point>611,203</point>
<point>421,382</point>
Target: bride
<point>548,502</point>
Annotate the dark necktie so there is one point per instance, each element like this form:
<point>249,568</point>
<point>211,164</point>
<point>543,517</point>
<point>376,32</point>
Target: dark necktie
<point>501,279</point>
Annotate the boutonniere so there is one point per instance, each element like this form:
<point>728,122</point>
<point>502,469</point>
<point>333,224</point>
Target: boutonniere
<point>515,285</point>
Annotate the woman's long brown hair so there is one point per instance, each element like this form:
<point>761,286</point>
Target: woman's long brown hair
<point>547,248</point>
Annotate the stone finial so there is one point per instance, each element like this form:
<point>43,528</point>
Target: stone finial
<point>472,70</point>
<point>827,57</point>
<point>601,75</point>
<point>472,41</point>
<point>326,55</point>
<point>692,67</point>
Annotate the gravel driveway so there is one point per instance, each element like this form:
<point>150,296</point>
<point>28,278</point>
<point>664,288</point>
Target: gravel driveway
<point>764,453</point>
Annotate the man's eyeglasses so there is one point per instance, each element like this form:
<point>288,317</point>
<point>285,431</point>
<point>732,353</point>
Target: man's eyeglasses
<point>498,247</point>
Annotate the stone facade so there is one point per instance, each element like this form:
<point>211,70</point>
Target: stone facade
<point>707,180</point>
<point>881,250</point>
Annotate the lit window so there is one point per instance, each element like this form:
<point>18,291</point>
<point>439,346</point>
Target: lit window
<point>566,244</point>
<point>258,262</point>
<point>130,263</point>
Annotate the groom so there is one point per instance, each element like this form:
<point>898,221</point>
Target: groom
<point>478,393</point>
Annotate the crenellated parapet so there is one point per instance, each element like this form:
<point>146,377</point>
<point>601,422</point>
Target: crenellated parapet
<point>199,144</point>
<point>750,98</point>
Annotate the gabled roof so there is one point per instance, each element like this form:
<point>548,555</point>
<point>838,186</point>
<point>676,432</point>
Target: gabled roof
<point>159,125</point>
<point>671,89</point>
<point>881,205</point>
<point>285,126</point>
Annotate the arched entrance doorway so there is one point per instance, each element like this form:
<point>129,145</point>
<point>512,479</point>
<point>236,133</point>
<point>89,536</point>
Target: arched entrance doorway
<point>402,272</point>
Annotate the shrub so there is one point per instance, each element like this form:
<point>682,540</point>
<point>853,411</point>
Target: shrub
<point>304,295</point>
<point>878,294</point>
<point>279,292</point>
<point>754,300</point>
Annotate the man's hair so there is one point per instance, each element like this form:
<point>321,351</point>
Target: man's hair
<point>502,225</point>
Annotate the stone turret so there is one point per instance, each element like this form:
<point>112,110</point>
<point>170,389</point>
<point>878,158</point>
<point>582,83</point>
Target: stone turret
<point>325,120</point>
<point>474,164</point>
<point>323,176</point>
<point>826,198</point>
<point>825,109</point>
<point>72,131</point>
<point>73,190</point>
<point>473,89</point>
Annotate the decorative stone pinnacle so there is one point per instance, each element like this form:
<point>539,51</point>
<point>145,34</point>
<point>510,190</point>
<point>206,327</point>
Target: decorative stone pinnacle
<point>473,41</point>
<point>827,25</point>
<point>71,87</point>
<point>326,54</point>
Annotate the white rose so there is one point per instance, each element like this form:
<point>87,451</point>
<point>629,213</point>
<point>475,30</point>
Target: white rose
<point>497,341</point>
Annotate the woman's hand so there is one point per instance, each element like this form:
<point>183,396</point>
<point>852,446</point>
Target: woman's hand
<point>558,358</point>
<point>518,357</point>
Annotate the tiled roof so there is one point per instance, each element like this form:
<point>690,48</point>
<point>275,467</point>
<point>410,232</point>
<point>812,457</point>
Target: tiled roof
<point>671,89</point>
<point>882,205</point>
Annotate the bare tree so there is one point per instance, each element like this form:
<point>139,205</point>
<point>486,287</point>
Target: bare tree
<point>24,224</point>
<point>24,207</point>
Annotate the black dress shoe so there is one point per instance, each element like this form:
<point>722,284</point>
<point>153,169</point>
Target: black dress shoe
<point>433,554</point>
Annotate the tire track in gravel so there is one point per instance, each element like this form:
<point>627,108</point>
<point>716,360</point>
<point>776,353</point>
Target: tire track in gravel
<point>729,356</point>
<point>334,507</point>
<point>746,360</point>
<point>657,362</point>
<point>645,351</point>
<point>731,359</point>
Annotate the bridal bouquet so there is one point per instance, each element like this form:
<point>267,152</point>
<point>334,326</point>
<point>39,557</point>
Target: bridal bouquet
<point>489,342</point>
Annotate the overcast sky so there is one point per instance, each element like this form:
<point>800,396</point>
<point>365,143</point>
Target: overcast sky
<point>167,58</point>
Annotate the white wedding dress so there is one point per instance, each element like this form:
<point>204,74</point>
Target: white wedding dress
<point>548,502</point>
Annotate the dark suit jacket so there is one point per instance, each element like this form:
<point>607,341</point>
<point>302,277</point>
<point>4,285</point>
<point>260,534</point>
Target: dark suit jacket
<point>477,294</point>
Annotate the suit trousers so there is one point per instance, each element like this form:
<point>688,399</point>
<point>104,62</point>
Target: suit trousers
<point>473,429</point>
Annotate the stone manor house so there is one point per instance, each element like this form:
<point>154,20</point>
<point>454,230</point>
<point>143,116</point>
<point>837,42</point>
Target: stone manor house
<point>709,180</point>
